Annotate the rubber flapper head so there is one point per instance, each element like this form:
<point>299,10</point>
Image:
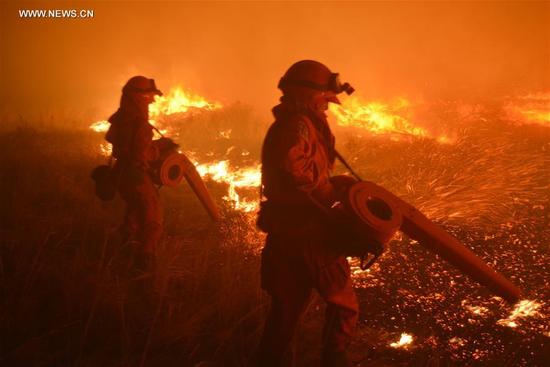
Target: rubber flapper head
<point>375,213</point>
<point>173,169</point>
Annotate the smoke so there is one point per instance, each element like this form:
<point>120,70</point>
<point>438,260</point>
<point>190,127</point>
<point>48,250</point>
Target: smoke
<point>236,51</point>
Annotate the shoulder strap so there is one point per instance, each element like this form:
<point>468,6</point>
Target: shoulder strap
<point>157,130</point>
<point>346,164</point>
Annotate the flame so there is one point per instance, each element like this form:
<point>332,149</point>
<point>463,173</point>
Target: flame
<point>476,310</point>
<point>531,108</point>
<point>176,101</point>
<point>247,178</point>
<point>485,177</point>
<point>405,341</point>
<point>100,126</point>
<point>523,309</point>
<point>377,117</point>
<point>179,101</point>
<point>106,149</point>
<point>393,119</point>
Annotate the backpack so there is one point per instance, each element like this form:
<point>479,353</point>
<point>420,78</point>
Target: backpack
<point>105,182</point>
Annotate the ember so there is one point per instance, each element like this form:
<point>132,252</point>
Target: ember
<point>404,342</point>
<point>451,113</point>
<point>523,309</point>
<point>475,310</point>
<point>486,187</point>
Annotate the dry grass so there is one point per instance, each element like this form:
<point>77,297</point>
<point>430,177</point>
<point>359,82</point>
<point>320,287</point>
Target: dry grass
<point>68,295</point>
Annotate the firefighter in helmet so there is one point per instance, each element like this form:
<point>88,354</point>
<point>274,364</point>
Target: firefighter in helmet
<point>131,136</point>
<point>297,159</point>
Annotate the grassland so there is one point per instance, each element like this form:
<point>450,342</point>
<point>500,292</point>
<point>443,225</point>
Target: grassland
<point>68,295</point>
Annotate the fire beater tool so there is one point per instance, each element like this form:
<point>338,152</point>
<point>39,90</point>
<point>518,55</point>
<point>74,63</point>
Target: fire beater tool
<point>172,167</point>
<point>377,214</point>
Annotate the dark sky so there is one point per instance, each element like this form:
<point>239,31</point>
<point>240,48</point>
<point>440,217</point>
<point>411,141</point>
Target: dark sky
<point>231,51</point>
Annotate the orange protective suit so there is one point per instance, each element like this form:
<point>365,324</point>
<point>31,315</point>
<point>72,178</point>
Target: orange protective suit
<point>297,159</point>
<point>132,138</point>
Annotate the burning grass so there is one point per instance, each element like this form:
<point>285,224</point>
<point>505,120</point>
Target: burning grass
<point>68,294</point>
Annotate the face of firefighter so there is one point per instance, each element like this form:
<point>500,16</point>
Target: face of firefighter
<point>146,98</point>
<point>322,100</point>
<point>141,101</point>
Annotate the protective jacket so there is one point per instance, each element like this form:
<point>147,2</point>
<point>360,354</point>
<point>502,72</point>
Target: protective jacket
<point>132,138</point>
<point>297,160</point>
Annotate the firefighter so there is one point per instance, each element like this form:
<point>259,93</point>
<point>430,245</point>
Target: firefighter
<point>131,136</point>
<point>297,159</point>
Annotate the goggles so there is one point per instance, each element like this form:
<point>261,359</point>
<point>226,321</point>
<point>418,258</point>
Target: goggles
<point>334,84</point>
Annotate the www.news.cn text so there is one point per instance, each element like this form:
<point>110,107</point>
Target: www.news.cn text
<point>56,13</point>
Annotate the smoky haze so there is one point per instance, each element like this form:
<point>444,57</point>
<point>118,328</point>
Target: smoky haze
<point>237,51</point>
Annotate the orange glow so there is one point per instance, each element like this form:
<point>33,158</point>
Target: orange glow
<point>404,341</point>
<point>100,126</point>
<point>532,108</point>
<point>451,113</point>
<point>475,310</point>
<point>247,178</point>
<point>381,118</point>
<point>179,101</point>
<point>522,309</point>
<point>106,149</point>
<point>176,101</point>
<point>376,117</point>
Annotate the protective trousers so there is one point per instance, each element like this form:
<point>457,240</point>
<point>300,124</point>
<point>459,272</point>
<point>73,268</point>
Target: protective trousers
<point>143,219</point>
<point>292,266</point>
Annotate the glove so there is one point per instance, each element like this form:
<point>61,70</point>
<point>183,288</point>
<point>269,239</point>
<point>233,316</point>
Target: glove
<point>343,233</point>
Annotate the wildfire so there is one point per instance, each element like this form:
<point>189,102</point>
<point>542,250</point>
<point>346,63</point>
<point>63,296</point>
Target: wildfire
<point>179,101</point>
<point>106,149</point>
<point>100,126</point>
<point>475,310</point>
<point>489,189</point>
<point>377,117</point>
<point>532,108</point>
<point>404,342</point>
<point>245,178</point>
<point>522,309</point>
<point>176,101</point>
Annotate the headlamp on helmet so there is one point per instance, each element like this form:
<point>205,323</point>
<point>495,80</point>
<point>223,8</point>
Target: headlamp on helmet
<point>334,85</point>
